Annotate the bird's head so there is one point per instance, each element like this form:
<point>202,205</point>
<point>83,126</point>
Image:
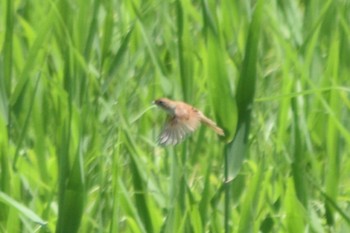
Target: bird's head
<point>166,104</point>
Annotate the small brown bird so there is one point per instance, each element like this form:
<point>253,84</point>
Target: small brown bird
<point>183,120</point>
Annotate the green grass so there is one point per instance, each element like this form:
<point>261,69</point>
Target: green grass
<point>78,134</point>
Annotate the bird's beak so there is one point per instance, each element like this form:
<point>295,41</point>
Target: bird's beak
<point>153,102</point>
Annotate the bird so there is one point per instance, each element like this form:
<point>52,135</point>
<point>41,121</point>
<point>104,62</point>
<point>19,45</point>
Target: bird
<point>183,119</point>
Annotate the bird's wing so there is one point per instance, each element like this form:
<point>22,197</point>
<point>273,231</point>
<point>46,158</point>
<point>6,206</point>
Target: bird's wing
<point>176,129</point>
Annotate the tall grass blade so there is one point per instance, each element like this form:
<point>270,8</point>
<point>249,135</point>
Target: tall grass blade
<point>251,201</point>
<point>185,62</point>
<point>26,123</point>
<point>7,56</point>
<point>5,168</point>
<point>299,158</point>
<point>28,213</point>
<point>245,95</point>
<point>236,151</point>
<point>295,219</point>
<point>138,183</point>
<point>334,156</point>
<point>117,59</point>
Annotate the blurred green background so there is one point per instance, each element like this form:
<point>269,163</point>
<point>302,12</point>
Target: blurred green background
<point>78,135</point>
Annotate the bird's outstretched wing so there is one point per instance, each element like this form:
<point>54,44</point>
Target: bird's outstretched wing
<point>176,129</point>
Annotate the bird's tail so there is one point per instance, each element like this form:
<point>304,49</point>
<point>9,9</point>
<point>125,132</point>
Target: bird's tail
<point>205,120</point>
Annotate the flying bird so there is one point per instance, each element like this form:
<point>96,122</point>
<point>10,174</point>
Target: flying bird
<point>183,120</point>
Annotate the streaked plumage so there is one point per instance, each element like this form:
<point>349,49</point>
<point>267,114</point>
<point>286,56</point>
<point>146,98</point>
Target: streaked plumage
<point>183,120</point>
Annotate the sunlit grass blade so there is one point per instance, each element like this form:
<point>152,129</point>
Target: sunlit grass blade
<point>333,137</point>
<point>28,213</point>
<point>251,200</point>
<point>7,55</point>
<point>5,168</point>
<point>295,219</point>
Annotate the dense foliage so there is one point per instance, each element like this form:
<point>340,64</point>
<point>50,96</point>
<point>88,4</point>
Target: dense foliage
<point>78,134</point>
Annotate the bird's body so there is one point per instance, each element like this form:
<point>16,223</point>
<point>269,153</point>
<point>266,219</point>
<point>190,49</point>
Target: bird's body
<point>183,120</point>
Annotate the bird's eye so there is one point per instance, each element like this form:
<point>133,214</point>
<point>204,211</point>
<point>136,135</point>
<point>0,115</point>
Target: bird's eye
<point>160,102</point>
